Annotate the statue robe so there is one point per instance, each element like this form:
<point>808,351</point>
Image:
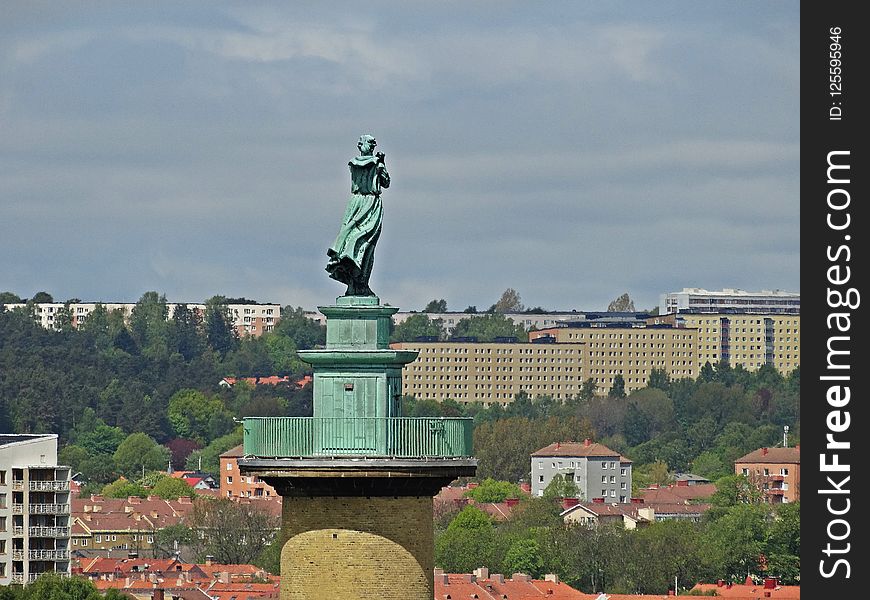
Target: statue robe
<point>352,255</point>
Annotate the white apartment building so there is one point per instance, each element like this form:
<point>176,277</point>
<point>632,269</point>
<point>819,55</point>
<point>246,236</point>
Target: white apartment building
<point>34,509</point>
<point>727,300</point>
<point>526,320</point>
<point>248,319</point>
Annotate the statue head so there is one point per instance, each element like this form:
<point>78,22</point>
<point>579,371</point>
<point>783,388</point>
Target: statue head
<point>366,144</point>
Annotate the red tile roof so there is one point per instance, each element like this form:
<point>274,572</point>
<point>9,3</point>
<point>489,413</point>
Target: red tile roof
<point>678,493</point>
<point>772,455</point>
<point>580,449</point>
<point>518,587</point>
<point>751,592</point>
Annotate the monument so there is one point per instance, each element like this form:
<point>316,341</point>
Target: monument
<point>357,478</point>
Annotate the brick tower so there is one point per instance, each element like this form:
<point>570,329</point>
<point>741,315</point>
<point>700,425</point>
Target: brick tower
<point>357,479</point>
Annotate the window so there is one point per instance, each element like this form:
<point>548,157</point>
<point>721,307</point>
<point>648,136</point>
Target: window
<point>783,472</point>
<point>229,479</point>
<point>623,472</point>
<point>746,472</point>
<point>229,466</point>
<point>623,486</point>
<point>613,493</point>
<point>84,542</point>
<point>613,479</point>
<point>2,477</point>
<point>98,538</point>
<point>541,478</point>
<point>604,479</point>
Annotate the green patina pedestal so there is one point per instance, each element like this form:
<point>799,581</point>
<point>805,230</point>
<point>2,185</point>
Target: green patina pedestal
<point>357,478</point>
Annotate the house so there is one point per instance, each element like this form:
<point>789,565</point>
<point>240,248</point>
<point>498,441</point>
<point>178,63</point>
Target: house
<point>235,485</point>
<point>777,471</point>
<point>598,471</point>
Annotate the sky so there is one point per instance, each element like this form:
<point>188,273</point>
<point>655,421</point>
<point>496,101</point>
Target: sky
<point>572,151</point>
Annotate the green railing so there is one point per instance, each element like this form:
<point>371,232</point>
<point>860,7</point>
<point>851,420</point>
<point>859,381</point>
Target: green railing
<point>403,437</point>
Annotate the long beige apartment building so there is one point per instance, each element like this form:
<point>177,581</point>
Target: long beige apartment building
<point>631,350</point>
<point>492,372</point>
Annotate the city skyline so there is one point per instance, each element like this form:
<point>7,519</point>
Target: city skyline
<point>572,153</point>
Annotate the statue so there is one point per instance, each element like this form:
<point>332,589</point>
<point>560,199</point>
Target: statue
<point>352,255</point>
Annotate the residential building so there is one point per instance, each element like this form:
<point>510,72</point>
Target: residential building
<point>34,509</point>
<point>776,470</point>
<point>629,347</point>
<point>248,319</point>
<point>492,372</point>
<point>114,527</point>
<point>235,485</point>
<point>726,300</point>
<point>596,470</point>
<point>747,339</point>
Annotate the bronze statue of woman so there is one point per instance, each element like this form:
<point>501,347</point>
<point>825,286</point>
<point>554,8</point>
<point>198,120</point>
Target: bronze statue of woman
<point>353,253</point>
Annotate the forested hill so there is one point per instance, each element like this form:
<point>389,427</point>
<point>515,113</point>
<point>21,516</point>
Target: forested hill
<point>127,374</point>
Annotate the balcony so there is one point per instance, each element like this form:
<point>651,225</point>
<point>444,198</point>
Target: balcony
<point>394,437</point>
<point>46,509</point>
<point>17,577</point>
<point>48,554</point>
<point>18,530</point>
<point>49,486</point>
<point>17,554</point>
<point>49,532</point>
<point>18,485</point>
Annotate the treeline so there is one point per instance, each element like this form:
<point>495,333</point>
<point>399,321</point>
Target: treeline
<point>700,425</point>
<point>736,538</point>
<point>98,383</point>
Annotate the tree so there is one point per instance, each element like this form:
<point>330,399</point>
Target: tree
<point>170,488</point>
<point>306,333</point>
<point>659,379</point>
<point>193,415</point>
<point>208,459</point>
<point>487,327</point>
<point>180,449</point>
<point>524,556</point>
<point>171,539</point>
<point>561,486</point>
<point>231,532</point>
<point>9,298</point>
<point>508,303</point>
<point>491,490</point>
<point>148,324</point>
<point>617,390</point>
<point>468,542</point>
<point>123,488</point>
<point>587,391</point>
<point>140,452</point>
<point>417,326</point>
<point>187,332</point>
<point>218,323</point>
<point>622,304</point>
<point>436,306</point>
<point>42,298</point>
<point>733,544</point>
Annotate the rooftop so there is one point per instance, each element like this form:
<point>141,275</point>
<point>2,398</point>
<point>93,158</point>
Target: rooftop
<point>586,448</point>
<point>772,455</point>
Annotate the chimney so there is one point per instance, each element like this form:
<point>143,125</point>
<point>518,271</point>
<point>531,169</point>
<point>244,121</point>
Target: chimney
<point>764,451</point>
<point>209,559</point>
<point>438,571</point>
<point>521,577</point>
<point>158,594</point>
<point>598,500</point>
<point>185,500</point>
<point>132,555</point>
<point>481,573</point>
<point>512,501</point>
<point>720,583</point>
<point>469,578</point>
<point>767,594</point>
<point>637,500</point>
<point>770,583</point>
<point>558,445</point>
<point>671,593</point>
<point>224,577</point>
<point>587,442</point>
<point>498,578</point>
<point>551,577</point>
<point>569,502</point>
<point>472,485</point>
